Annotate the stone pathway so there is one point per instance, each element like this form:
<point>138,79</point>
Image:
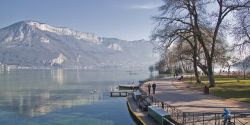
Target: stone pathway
<point>178,94</point>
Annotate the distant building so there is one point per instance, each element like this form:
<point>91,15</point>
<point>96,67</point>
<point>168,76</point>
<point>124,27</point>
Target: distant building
<point>11,67</point>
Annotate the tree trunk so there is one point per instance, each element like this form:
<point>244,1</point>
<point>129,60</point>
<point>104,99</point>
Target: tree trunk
<point>183,68</point>
<point>228,71</point>
<point>198,81</point>
<point>244,74</point>
<point>210,72</point>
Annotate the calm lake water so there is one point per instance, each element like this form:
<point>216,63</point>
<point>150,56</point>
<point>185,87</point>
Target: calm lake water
<point>63,97</point>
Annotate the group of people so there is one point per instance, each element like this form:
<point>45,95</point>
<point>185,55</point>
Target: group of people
<point>149,88</point>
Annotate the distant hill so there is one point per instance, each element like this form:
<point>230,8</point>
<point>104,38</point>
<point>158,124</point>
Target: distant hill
<point>35,44</point>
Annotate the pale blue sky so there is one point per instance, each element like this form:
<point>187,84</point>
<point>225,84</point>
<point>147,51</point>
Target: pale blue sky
<point>125,19</point>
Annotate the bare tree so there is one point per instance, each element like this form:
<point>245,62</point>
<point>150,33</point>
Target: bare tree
<point>180,16</point>
<point>227,61</point>
<point>244,60</point>
<point>172,60</point>
<point>185,52</point>
<point>245,64</point>
<point>176,28</point>
<point>151,69</point>
<point>241,29</point>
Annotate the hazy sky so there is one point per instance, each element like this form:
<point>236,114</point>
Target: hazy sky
<point>125,19</point>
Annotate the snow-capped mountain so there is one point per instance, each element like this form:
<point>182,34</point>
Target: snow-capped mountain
<point>35,44</point>
<point>63,31</point>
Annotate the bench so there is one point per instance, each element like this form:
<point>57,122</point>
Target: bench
<point>159,115</point>
<point>143,103</point>
<point>181,78</point>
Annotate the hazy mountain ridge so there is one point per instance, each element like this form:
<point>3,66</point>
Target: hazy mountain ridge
<point>34,44</point>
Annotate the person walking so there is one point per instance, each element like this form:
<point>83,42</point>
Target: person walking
<point>154,87</point>
<point>149,88</point>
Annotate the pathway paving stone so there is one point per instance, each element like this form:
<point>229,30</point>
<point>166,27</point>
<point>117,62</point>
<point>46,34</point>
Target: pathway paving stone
<point>180,95</point>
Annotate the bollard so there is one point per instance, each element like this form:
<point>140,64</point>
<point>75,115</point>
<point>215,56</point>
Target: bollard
<point>206,90</point>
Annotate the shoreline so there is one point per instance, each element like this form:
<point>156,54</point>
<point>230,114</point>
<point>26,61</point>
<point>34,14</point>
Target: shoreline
<point>176,96</point>
<point>134,115</point>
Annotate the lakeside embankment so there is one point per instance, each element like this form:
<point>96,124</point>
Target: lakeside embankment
<point>179,98</point>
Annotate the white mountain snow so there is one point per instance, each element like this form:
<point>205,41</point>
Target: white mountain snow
<point>44,40</point>
<point>34,44</point>
<point>115,46</point>
<point>64,31</point>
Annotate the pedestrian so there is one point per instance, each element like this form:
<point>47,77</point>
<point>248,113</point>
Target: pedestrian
<point>149,88</point>
<point>227,116</point>
<point>154,86</point>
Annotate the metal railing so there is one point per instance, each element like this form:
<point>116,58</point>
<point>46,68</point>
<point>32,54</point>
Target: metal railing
<point>201,118</point>
<point>211,118</point>
<point>175,113</point>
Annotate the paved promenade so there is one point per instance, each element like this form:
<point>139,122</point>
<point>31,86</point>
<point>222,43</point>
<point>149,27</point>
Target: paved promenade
<point>185,99</point>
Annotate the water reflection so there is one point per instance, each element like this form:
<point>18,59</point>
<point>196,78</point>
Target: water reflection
<point>41,93</point>
<point>58,76</point>
<point>39,102</point>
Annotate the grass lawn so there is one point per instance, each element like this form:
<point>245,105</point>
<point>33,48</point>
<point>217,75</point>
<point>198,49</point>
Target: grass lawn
<point>228,88</point>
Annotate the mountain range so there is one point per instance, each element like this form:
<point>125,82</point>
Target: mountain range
<point>35,44</point>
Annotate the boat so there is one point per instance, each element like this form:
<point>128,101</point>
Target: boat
<point>128,87</point>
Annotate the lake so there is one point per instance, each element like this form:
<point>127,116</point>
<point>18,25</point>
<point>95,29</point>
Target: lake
<point>64,97</point>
